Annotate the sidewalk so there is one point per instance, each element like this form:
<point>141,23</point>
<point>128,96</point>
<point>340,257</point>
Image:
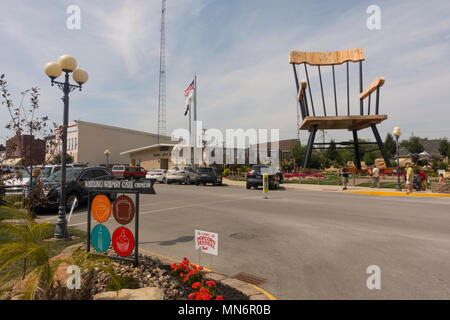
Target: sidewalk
<point>351,189</point>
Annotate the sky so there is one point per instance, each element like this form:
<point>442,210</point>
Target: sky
<point>239,52</point>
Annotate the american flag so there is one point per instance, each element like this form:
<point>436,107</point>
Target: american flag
<point>188,90</point>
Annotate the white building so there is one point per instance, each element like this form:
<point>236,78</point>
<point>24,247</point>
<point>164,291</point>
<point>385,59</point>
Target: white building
<point>87,141</point>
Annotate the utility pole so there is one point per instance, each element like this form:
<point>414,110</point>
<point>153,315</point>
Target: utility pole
<point>162,77</point>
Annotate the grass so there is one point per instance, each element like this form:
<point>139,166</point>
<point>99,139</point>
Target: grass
<point>55,246</point>
<point>390,185</point>
<point>6,213</point>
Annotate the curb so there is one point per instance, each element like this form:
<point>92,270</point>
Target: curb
<point>254,292</point>
<point>399,194</point>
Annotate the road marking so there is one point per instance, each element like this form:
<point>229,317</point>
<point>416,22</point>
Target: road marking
<point>400,194</point>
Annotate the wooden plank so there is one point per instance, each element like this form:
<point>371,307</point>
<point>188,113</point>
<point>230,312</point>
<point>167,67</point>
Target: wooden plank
<point>326,58</point>
<point>303,85</point>
<point>378,82</point>
<point>341,122</point>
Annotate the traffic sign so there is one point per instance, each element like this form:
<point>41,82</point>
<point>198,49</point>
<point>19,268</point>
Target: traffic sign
<point>100,238</point>
<point>123,209</point>
<point>101,208</point>
<point>123,241</point>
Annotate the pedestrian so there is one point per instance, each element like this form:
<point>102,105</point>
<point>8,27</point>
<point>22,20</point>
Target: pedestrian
<point>423,179</point>
<point>345,177</point>
<point>409,178</point>
<point>441,178</point>
<point>376,177</point>
<point>370,173</point>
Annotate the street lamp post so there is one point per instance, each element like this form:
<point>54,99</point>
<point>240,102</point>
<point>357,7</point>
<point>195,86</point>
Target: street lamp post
<point>397,133</point>
<point>68,64</point>
<point>107,153</point>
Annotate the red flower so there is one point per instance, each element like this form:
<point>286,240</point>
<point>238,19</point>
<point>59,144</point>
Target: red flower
<point>181,274</point>
<point>211,284</point>
<point>206,296</point>
<point>204,291</point>
<point>219,298</point>
<point>196,285</point>
<point>192,296</point>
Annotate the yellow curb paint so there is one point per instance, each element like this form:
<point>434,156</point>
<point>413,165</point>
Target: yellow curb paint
<point>271,297</point>
<point>399,194</point>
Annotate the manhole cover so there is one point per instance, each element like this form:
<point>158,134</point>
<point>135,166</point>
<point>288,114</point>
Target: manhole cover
<point>243,235</point>
<point>249,278</point>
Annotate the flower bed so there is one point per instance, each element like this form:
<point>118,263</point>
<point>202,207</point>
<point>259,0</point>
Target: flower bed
<point>183,281</point>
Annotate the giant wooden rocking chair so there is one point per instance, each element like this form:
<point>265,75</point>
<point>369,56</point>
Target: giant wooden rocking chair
<point>350,122</point>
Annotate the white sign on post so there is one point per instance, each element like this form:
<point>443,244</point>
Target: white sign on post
<point>207,242</point>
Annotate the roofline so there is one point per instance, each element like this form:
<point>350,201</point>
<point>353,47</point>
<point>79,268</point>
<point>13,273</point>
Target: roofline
<point>92,124</point>
<point>148,148</point>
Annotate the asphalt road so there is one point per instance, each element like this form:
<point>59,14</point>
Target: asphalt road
<point>306,244</point>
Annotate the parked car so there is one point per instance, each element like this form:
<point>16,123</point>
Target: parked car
<point>255,177</point>
<point>16,184</point>
<point>157,174</point>
<point>128,172</point>
<point>74,188</point>
<point>208,175</point>
<point>180,174</point>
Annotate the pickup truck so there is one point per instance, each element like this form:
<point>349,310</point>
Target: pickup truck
<point>255,177</point>
<point>128,172</point>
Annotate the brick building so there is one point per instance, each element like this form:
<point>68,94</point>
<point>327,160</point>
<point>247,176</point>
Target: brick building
<point>26,147</point>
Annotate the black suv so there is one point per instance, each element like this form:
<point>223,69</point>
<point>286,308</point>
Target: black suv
<point>206,175</point>
<point>74,189</point>
<point>255,177</point>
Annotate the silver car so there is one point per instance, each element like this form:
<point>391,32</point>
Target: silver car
<point>180,174</point>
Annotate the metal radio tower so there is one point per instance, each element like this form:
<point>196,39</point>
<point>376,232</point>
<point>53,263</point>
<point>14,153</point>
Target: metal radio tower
<point>162,77</point>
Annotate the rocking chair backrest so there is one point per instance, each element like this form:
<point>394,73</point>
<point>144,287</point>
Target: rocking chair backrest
<point>326,59</point>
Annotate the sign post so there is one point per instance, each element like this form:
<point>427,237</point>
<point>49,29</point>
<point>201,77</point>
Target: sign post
<point>265,185</point>
<point>124,211</point>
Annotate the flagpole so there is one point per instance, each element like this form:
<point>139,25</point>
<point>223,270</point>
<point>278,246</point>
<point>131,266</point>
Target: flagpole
<point>189,161</point>
<point>195,120</point>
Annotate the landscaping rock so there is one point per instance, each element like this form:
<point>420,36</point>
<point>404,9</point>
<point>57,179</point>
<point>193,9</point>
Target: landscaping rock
<point>148,293</point>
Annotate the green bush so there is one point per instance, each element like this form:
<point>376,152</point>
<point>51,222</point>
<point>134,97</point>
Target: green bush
<point>442,165</point>
<point>226,172</point>
<point>125,283</point>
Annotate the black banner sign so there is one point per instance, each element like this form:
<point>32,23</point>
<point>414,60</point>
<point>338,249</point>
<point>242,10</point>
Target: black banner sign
<point>145,187</point>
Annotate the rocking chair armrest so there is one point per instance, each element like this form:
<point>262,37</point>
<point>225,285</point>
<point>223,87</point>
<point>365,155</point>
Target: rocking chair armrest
<point>303,85</point>
<point>377,83</point>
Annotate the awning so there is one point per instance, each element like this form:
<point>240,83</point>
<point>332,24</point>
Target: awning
<point>12,162</point>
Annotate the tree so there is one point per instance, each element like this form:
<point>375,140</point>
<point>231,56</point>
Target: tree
<point>369,157</point>
<point>390,145</point>
<point>24,120</point>
<point>298,153</point>
<point>413,145</point>
<point>444,147</point>
<point>332,153</point>
<point>56,159</point>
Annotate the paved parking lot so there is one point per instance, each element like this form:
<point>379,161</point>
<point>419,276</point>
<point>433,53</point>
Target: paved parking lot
<point>306,244</point>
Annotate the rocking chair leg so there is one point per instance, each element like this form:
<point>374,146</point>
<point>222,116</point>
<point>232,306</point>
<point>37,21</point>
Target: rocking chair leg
<point>312,135</point>
<point>380,145</point>
<point>355,143</point>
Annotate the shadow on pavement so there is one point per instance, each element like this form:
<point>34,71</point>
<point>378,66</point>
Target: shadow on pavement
<point>170,242</point>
